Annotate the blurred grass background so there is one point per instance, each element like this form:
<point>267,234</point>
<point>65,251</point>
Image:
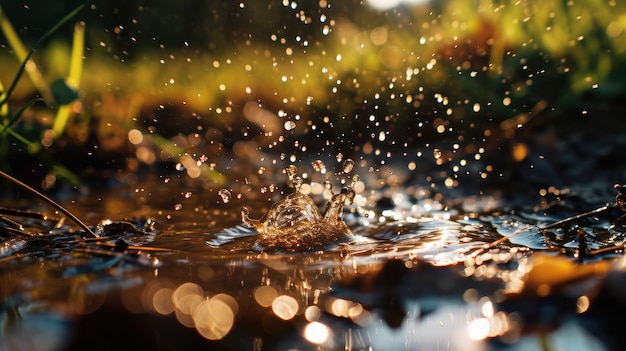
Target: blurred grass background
<point>188,85</point>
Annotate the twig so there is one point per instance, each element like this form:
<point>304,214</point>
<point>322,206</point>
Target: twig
<point>10,258</point>
<point>51,203</point>
<point>606,249</point>
<point>500,241</point>
<point>579,216</point>
<point>549,226</point>
<point>26,214</point>
<point>16,232</point>
<point>137,248</point>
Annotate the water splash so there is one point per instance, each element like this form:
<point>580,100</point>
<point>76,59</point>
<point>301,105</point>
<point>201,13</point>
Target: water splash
<point>295,223</point>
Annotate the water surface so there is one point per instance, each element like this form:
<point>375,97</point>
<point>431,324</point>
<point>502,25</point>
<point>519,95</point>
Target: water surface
<point>421,274</point>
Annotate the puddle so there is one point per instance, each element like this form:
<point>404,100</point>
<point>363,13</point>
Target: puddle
<point>437,156</point>
<point>426,275</point>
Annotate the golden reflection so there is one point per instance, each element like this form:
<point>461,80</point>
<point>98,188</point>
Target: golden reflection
<point>478,329</point>
<point>162,301</point>
<point>188,303</point>
<point>285,307</point>
<point>213,319</point>
<point>582,304</point>
<point>317,333</point>
<point>486,307</point>
<point>185,290</point>
<point>184,319</point>
<point>135,136</point>
<point>483,328</point>
<point>264,295</point>
<point>230,301</point>
<point>312,313</point>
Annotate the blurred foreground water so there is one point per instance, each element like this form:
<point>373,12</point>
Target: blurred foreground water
<point>422,274</point>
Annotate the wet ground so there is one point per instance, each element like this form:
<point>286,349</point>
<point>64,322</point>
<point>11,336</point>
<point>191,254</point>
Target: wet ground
<point>487,138</point>
<point>426,270</point>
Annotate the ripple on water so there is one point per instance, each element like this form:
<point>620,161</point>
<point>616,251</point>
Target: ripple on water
<point>229,234</point>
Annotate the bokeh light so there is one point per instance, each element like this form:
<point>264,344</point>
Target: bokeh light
<point>317,333</point>
<point>285,307</point>
<point>264,295</point>
<point>213,319</point>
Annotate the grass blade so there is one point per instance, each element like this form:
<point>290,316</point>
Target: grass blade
<point>18,75</point>
<point>17,115</point>
<point>73,79</point>
<point>22,54</point>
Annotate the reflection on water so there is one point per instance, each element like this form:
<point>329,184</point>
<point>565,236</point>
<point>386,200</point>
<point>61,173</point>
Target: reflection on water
<point>420,275</point>
<point>466,121</point>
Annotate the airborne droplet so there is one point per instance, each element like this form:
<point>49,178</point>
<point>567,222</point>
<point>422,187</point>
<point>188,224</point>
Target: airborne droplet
<point>297,183</point>
<point>348,165</point>
<point>318,165</point>
<point>437,154</point>
<point>355,179</point>
<point>225,194</point>
<point>289,125</point>
<point>291,171</point>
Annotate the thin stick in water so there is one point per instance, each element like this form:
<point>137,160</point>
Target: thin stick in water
<point>51,203</point>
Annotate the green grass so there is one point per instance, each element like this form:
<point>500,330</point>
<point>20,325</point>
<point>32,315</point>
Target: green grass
<point>454,63</point>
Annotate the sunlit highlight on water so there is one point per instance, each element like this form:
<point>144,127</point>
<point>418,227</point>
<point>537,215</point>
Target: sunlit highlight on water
<point>285,307</point>
<point>213,317</point>
<point>582,304</point>
<point>478,329</point>
<point>317,333</point>
<point>162,301</point>
<point>389,4</point>
<point>312,313</point>
<point>264,295</point>
<point>487,327</point>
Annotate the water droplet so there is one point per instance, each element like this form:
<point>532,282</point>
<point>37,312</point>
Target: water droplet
<point>289,125</point>
<point>437,154</point>
<point>297,183</point>
<point>225,194</point>
<point>187,194</point>
<point>318,165</point>
<point>180,167</point>
<point>178,207</point>
<point>348,165</point>
<point>291,171</point>
<point>355,179</point>
<point>339,157</point>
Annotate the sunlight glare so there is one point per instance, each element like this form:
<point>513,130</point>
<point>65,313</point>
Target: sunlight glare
<point>389,4</point>
<point>285,307</point>
<point>478,329</point>
<point>316,333</point>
